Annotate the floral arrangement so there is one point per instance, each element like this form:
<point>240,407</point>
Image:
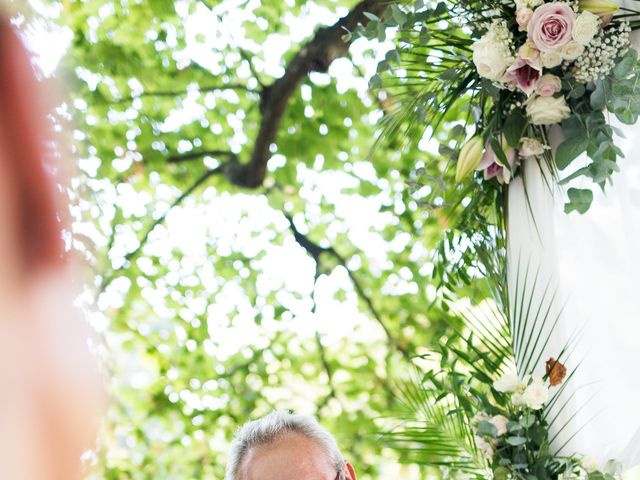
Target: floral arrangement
<point>473,423</point>
<point>492,81</point>
<point>483,406</point>
<point>557,62</point>
<point>514,434</point>
<point>518,67</point>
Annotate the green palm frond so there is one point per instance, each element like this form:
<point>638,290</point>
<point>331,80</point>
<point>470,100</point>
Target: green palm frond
<point>486,348</point>
<point>535,314</point>
<point>434,429</point>
<point>513,330</point>
<point>433,74</point>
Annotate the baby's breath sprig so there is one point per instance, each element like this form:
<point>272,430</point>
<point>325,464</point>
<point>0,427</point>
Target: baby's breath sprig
<point>601,54</point>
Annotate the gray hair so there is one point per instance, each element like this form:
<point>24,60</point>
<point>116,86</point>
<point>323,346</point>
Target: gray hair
<point>275,425</point>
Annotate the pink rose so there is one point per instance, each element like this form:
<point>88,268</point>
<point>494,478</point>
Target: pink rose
<point>548,85</point>
<point>523,16</point>
<point>551,25</point>
<point>524,74</point>
<point>492,166</point>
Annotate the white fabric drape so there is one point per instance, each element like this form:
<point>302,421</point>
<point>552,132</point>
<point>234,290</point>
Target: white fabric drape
<point>592,262</point>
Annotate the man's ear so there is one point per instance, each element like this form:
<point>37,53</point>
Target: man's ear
<point>349,471</point>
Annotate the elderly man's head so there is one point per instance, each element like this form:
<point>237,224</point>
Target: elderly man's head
<point>283,446</point>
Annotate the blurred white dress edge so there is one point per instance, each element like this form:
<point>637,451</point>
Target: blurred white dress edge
<point>592,261</point>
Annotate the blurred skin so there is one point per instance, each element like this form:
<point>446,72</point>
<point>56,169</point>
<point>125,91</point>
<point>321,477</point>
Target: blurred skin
<point>51,393</point>
<point>291,457</point>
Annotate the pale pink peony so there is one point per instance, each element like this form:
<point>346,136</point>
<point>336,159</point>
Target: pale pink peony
<point>551,25</point>
<point>524,74</point>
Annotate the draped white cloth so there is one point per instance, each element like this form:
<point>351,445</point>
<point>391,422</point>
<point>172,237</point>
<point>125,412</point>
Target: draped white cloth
<point>592,262</point>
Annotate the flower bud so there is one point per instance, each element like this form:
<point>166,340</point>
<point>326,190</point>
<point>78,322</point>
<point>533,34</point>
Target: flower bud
<point>602,8</point>
<point>469,158</point>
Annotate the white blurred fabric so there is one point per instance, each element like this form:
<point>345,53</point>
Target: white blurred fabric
<point>592,261</point>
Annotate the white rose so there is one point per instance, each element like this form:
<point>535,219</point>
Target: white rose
<point>590,464</point>
<point>485,447</point>
<point>572,51</point>
<point>500,422</point>
<point>550,59</point>
<point>586,26</point>
<point>536,394</point>
<point>491,58</point>
<point>572,476</point>
<point>507,383</point>
<point>547,110</point>
<point>531,147</point>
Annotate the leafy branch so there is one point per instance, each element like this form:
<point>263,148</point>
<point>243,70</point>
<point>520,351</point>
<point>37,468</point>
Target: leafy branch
<point>316,55</point>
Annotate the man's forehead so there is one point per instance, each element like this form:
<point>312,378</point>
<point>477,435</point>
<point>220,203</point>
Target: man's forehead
<point>290,456</point>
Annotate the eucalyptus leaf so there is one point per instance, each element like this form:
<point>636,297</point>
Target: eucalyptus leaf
<point>579,200</point>
<point>569,150</point>
<point>516,441</point>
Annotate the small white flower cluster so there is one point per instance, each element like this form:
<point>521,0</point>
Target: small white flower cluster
<point>601,53</point>
<point>532,147</point>
<point>529,391</point>
<point>493,54</point>
<point>562,36</point>
<point>528,3</point>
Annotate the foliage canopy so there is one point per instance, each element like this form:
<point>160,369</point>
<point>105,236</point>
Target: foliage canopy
<point>219,301</point>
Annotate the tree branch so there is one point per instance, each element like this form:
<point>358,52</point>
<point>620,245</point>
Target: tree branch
<point>203,153</point>
<point>315,56</point>
<point>315,251</point>
<point>200,181</point>
<point>327,368</point>
<point>106,280</point>
<point>369,303</point>
<point>177,93</point>
<point>246,56</point>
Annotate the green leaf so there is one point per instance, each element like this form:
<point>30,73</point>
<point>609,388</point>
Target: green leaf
<point>600,94</point>
<point>487,429</point>
<point>398,15</point>
<point>441,9</point>
<point>497,149</point>
<point>371,16</point>
<point>514,126</point>
<point>392,56</point>
<point>375,82</point>
<point>516,441</point>
<point>569,150</point>
<point>527,420</point>
<point>514,427</point>
<point>580,200</point>
<point>448,75</point>
<point>626,65</point>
